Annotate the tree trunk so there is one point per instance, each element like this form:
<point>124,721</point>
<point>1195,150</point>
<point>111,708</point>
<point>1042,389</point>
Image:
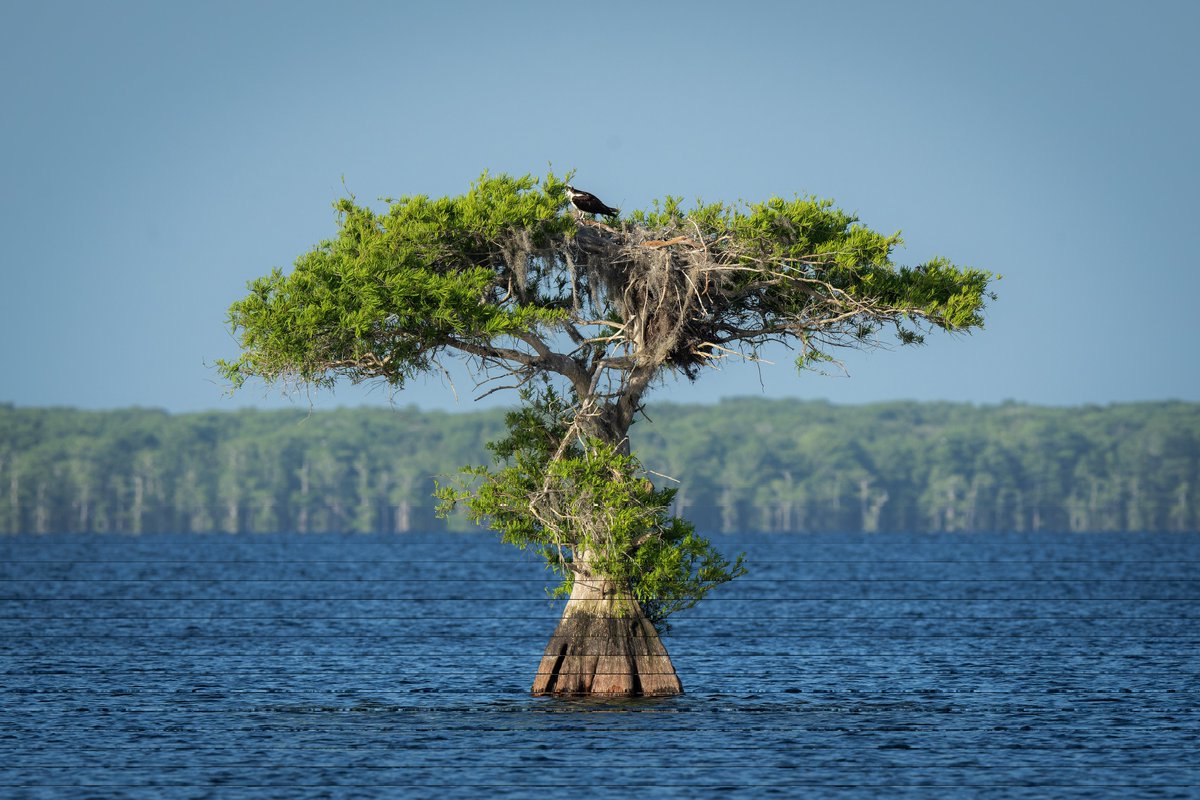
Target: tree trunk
<point>604,646</point>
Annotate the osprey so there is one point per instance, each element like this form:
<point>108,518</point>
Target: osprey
<point>588,203</point>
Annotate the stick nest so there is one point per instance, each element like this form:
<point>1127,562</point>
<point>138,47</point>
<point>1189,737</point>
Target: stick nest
<point>666,289</point>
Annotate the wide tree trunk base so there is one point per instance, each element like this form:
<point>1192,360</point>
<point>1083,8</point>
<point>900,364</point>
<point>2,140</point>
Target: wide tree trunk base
<point>604,646</point>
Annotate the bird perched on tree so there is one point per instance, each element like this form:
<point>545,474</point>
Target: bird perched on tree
<point>588,203</point>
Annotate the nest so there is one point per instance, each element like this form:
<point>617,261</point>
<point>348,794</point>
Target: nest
<point>665,288</point>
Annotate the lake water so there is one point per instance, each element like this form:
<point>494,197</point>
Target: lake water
<point>399,666</point>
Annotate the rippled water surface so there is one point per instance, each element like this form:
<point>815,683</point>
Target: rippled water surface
<point>371,666</point>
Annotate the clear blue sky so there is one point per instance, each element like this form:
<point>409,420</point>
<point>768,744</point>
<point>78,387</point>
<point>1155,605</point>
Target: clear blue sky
<point>156,156</point>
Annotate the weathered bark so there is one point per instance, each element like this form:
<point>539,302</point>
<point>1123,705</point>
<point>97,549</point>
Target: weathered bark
<point>605,646</point>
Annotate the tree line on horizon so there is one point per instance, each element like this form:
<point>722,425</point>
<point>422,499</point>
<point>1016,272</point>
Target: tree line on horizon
<point>744,465</point>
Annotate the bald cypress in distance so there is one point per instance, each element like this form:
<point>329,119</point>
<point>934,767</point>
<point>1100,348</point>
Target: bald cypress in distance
<point>584,318</point>
<point>877,468</point>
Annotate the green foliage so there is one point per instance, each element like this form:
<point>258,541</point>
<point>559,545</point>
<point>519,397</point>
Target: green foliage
<point>805,259</point>
<point>936,467</point>
<point>581,503</point>
<point>782,466</point>
<point>394,289</point>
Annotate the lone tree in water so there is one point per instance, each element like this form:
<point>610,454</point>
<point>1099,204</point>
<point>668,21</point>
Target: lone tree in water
<point>584,317</point>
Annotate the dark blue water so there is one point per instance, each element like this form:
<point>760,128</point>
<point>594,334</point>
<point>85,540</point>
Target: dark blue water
<point>370,666</point>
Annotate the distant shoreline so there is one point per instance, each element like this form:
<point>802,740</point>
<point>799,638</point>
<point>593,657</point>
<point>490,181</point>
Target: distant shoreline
<point>468,407</point>
<point>758,464</point>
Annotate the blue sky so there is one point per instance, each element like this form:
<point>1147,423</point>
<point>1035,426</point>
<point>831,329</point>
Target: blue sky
<point>156,156</point>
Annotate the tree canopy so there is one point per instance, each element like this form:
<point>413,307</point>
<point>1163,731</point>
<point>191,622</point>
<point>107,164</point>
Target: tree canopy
<point>498,272</point>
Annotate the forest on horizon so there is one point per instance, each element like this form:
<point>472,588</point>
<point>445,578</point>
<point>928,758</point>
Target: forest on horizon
<point>743,465</point>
